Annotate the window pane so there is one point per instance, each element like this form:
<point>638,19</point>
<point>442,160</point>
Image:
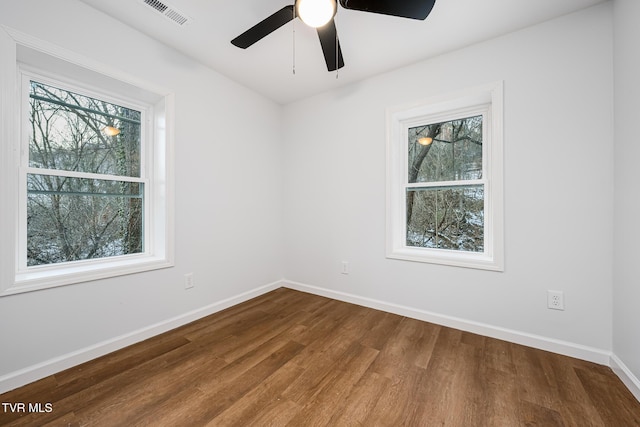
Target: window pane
<point>71,219</point>
<point>446,218</point>
<point>447,151</point>
<point>73,132</point>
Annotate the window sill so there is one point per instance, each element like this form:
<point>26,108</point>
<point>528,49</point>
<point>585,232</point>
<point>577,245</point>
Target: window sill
<point>445,257</point>
<point>36,278</point>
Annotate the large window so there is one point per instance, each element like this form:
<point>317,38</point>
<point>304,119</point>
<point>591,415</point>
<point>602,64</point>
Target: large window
<point>445,180</point>
<point>90,189</point>
<point>85,177</point>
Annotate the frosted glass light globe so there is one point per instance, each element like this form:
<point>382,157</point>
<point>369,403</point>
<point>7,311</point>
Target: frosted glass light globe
<point>316,13</point>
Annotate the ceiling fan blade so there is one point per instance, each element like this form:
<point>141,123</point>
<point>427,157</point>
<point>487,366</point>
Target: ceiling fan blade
<point>329,41</point>
<point>414,9</point>
<point>264,27</point>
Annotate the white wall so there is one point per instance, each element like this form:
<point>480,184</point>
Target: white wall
<point>626,286</point>
<point>558,82</point>
<point>228,196</point>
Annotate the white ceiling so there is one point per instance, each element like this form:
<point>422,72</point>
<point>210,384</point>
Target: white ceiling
<point>371,43</point>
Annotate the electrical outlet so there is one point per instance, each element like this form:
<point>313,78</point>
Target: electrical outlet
<point>345,267</point>
<point>188,281</point>
<point>555,300</point>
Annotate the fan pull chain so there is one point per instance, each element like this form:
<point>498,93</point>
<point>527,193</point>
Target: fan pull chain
<point>337,56</point>
<point>337,53</point>
<point>294,41</point>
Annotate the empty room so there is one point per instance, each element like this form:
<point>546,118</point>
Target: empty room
<point>371,213</point>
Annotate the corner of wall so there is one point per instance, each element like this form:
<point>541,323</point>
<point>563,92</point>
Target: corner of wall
<point>626,376</point>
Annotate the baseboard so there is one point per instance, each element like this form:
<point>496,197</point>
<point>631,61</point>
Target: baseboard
<point>33,373</point>
<point>41,370</point>
<point>578,351</point>
<point>626,376</point>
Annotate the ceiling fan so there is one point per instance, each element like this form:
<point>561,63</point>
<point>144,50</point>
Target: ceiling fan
<point>319,14</point>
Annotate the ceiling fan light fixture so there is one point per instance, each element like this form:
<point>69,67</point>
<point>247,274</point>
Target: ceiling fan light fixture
<point>316,13</point>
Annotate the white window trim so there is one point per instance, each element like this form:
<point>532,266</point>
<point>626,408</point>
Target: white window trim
<point>487,99</point>
<point>159,251</point>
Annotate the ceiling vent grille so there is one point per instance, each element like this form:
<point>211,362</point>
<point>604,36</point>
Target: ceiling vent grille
<point>168,12</point>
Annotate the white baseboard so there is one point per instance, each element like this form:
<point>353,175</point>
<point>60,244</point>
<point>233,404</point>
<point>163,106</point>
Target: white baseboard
<point>578,351</point>
<point>33,373</point>
<point>626,376</point>
<point>49,367</point>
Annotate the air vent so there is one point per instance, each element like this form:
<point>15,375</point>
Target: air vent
<point>168,12</point>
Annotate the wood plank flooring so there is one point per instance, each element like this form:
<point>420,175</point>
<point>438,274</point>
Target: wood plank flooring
<point>289,358</point>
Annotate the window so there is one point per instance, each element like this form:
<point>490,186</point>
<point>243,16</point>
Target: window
<point>444,169</point>
<point>85,180</point>
<point>94,188</point>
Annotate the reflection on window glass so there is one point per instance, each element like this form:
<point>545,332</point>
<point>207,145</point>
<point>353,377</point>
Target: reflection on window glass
<point>448,151</point>
<point>76,133</point>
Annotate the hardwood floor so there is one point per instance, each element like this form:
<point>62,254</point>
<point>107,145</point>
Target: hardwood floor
<point>289,358</point>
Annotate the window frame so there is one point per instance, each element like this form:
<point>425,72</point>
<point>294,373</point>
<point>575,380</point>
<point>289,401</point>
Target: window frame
<point>84,76</point>
<point>485,100</point>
